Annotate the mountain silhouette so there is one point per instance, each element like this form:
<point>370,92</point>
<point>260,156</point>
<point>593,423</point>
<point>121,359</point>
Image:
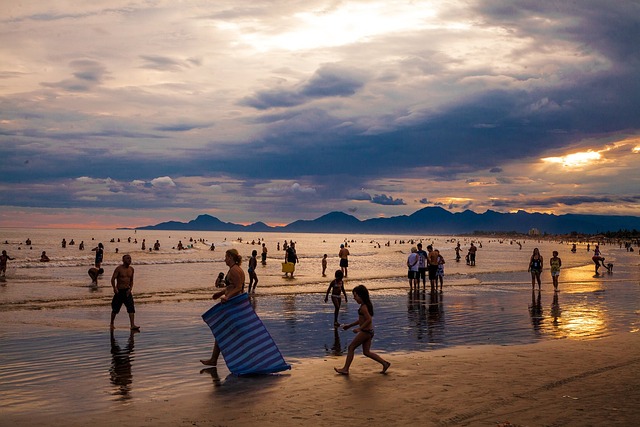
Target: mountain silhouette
<point>429,220</point>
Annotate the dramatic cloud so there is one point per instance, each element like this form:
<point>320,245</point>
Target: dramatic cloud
<point>166,110</point>
<point>383,199</point>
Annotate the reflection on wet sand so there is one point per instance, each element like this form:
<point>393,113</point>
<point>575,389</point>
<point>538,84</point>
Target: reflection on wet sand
<point>535,311</point>
<point>556,312</point>
<point>120,371</point>
<point>213,371</point>
<point>336,349</point>
<point>426,317</point>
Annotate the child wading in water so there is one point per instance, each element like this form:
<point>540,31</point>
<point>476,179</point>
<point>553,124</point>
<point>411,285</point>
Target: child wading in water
<point>364,331</point>
<point>336,287</point>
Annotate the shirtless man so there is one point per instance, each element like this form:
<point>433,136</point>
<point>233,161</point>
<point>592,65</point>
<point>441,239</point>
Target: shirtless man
<point>432,265</point>
<point>344,259</point>
<point>122,283</point>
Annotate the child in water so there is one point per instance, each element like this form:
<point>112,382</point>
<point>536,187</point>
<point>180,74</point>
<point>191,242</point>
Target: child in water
<point>364,331</point>
<point>220,280</point>
<point>336,287</point>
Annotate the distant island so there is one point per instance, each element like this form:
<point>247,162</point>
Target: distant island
<point>430,220</point>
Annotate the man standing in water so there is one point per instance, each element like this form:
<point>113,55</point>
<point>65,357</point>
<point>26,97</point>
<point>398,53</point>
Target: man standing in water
<point>344,259</point>
<point>122,283</point>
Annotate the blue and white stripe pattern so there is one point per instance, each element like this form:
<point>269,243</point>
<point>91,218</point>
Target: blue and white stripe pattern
<point>245,343</point>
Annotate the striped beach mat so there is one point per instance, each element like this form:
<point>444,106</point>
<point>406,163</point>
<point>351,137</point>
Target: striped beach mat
<point>245,343</point>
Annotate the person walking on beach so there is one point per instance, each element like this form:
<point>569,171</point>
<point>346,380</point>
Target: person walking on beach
<point>234,283</point>
<point>422,266</point>
<point>253,277</point>
<point>555,262</point>
<point>291,256</point>
<point>336,287</point>
<point>324,265</point>
<point>413,274</point>
<point>3,262</point>
<point>440,272</point>
<point>122,283</point>
<point>364,332</point>
<point>99,250</point>
<point>343,254</point>
<point>535,268</point>
<point>458,252</point>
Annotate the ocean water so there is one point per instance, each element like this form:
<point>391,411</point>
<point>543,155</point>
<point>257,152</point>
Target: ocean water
<point>54,327</point>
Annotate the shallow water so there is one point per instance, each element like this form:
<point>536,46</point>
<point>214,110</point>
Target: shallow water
<point>58,355</point>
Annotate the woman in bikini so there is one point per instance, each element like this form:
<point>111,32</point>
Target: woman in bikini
<point>336,287</point>
<point>535,268</point>
<point>364,332</point>
<point>234,285</point>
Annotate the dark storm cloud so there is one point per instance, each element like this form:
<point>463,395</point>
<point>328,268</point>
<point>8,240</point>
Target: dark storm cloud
<point>328,81</point>
<point>565,200</point>
<point>383,199</point>
<point>183,127</point>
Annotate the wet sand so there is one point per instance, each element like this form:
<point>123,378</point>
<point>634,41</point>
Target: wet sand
<point>487,351</point>
<point>559,383</point>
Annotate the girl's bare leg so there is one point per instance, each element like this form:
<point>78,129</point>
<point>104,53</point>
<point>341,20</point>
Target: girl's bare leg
<point>336,305</point>
<point>357,342</point>
<point>366,350</point>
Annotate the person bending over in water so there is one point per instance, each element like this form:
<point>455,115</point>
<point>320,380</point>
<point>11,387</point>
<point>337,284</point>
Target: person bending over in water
<point>364,331</point>
<point>336,287</point>
<point>94,272</point>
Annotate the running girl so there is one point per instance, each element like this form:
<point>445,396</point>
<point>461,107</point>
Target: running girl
<point>364,331</point>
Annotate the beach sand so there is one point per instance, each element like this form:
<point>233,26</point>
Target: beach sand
<point>552,383</point>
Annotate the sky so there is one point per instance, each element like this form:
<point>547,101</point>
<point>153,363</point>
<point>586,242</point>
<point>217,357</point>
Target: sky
<point>126,113</point>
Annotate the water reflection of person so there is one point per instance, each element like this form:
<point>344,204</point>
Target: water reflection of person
<point>336,348</point>
<point>555,310</point>
<point>290,319</point>
<point>535,310</point>
<point>120,372</point>
<point>435,317</point>
<point>213,371</point>
<point>417,310</point>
